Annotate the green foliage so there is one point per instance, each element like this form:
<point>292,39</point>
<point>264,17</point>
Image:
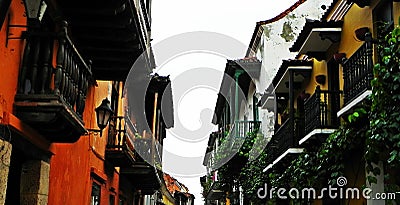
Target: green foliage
<point>383,137</point>
<point>206,184</point>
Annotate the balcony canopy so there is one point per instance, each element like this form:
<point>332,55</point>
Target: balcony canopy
<point>301,69</point>
<point>107,32</point>
<point>317,37</point>
<point>217,191</point>
<point>249,69</point>
<point>143,176</point>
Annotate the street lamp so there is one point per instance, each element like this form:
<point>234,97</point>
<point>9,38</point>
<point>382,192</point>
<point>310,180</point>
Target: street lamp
<point>33,8</point>
<point>103,115</point>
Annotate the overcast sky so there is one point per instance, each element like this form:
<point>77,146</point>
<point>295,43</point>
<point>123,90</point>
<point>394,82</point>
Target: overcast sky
<point>234,18</point>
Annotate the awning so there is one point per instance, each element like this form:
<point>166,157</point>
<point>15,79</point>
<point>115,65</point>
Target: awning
<point>216,192</point>
<point>301,68</point>
<point>317,37</point>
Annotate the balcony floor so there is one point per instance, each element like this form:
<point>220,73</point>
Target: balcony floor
<point>50,116</point>
<point>288,152</point>
<point>323,131</point>
<point>353,103</point>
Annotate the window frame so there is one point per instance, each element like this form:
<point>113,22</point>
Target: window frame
<point>97,184</point>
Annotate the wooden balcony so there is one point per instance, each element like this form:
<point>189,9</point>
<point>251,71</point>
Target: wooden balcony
<point>284,138</point>
<point>139,158</point>
<point>357,75</point>
<point>119,149</point>
<point>52,99</point>
<point>145,172</point>
<point>320,113</point>
<point>284,142</point>
<point>143,176</point>
<point>217,191</point>
<point>113,34</point>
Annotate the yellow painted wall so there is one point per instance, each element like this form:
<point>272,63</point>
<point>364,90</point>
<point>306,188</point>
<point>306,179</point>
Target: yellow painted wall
<point>355,18</point>
<point>228,201</point>
<point>396,13</point>
<point>319,68</point>
<point>166,201</point>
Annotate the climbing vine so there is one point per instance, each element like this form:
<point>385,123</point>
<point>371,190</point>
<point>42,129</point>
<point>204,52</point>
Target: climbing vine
<point>383,141</point>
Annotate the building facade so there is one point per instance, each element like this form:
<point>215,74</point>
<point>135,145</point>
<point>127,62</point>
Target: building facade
<point>315,90</point>
<point>60,60</point>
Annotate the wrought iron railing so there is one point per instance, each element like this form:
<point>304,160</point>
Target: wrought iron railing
<point>142,149</point>
<point>117,139</point>
<point>320,110</point>
<point>230,142</point>
<point>148,150</point>
<point>284,137</point>
<point>358,73</point>
<point>68,80</point>
<point>243,128</point>
<point>271,151</point>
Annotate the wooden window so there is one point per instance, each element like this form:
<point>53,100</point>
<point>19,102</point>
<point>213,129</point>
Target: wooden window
<point>111,199</point>
<point>122,200</point>
<point>96,194</point>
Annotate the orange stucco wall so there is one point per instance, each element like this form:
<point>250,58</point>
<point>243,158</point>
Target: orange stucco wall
<point>10,56</point>
<point>71,167</point>
<point>71,164</point>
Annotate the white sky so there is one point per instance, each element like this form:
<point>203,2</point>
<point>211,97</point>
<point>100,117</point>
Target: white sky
<point>234,18</point>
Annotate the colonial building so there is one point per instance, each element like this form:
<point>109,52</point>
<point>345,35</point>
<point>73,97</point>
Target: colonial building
<point>317,67</point>
<point>236,114</point>
<point>70,134</point>
<point>179,191</point>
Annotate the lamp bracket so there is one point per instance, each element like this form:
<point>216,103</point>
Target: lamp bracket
<point>89,131</point>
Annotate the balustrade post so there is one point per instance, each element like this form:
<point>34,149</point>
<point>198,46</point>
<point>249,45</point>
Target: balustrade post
<point>58,76</point>
<point>46,70</point>
<point>75,91</point>
<point>68,77</point>
<point>35,62</point>
<point>119,131</point>
<point>318,106</point>
<point>345,83</point>
<point>25,65</point>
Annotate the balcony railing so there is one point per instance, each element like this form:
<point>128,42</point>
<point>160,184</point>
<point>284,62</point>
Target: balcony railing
<point>119,149</point>
<point>116,133</point>
<point>357,73</point>
<point>52,99</point>
<point>243,128</point>
<point>143,172</point>
<point>271,152</point>
<point>284,138</point>
<point>148,150</point>
<point>232,142</point>
<point>241,131</point>
<point>320,110</point>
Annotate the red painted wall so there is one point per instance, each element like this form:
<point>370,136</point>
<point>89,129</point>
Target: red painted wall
<point>10,56</point>
<point>73,164</point>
